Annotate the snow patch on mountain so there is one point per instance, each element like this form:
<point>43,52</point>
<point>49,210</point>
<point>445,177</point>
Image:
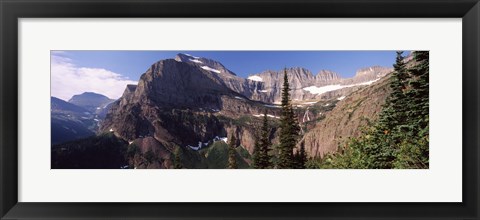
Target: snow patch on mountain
<point>196,148</point>
<point>255,78</point>
<point>192,56</point>
<point>324,89</point>
<point>271,116</point>
<point>366,83</point>
<point>273,106</point>
<point>195,60</point>
<point>200,144</point>
<point>210,69</point>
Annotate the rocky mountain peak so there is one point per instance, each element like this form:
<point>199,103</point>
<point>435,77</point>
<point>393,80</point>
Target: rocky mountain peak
<point>90,95</point>
<point>374,70</point>
<point>172,82</point>
<point>300,70</point>
<point>90,100</point>
<point>327,75</point>
<point>204,63</point>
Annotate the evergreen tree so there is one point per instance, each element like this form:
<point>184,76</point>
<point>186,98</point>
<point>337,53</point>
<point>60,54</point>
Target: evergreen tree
<point>264,158</point>
<point>383,144</point>
<point>414,150</point>
<point>394,109</point>
<point>302,156</point>
<point>418,94</point>
<point>289,128</point>
<point>232,160</point>
<point>295,161</point>
<point>178,159</point>
<point>256,153</point>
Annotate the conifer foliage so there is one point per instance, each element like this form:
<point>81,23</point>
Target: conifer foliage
<point>400,137</point>
<point>413,151</point>
<point>289,129</point>
<point>232,160</point>
<point>256,153</point>
<point>178,159</point>
<point>301,157</point>
<point>262,158</point>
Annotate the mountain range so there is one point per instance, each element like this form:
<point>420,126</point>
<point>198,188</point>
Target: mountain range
<point>188,106</point>
<point>79,117</point>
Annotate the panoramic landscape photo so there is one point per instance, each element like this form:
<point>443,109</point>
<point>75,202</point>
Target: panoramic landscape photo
<point>239,109</point>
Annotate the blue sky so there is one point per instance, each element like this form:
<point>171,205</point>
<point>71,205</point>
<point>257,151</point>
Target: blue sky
<point>127,66</point>
<point>133,63</point>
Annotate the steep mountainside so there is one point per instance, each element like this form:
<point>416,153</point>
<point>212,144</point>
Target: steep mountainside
<point>346,119</point>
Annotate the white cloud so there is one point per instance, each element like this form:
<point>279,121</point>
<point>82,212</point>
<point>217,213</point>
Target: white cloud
<point>67,79</point>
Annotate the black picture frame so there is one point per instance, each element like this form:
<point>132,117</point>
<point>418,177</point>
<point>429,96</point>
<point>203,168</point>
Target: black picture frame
<point>12,10</point>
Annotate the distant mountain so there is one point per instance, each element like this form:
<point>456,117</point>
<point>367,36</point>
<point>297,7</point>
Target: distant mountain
<point>70,122</point>
<point>326,76</point>
<point>306,86</point>
<point>58,105</point>
<point>93,102</point>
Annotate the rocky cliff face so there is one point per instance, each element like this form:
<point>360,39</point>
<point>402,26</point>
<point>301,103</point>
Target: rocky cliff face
<point>148,153</point>
<point>226,77</point>
<point>326,77</point>
<point>169,83</point>
<point>179,104</point>
<point>346,119</point>
<point>272,81</point>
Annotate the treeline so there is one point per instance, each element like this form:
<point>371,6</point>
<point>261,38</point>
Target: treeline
<point>286,157</point>
<point>400,137</point>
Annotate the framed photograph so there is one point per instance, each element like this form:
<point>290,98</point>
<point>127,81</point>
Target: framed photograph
<point>239,110</point>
